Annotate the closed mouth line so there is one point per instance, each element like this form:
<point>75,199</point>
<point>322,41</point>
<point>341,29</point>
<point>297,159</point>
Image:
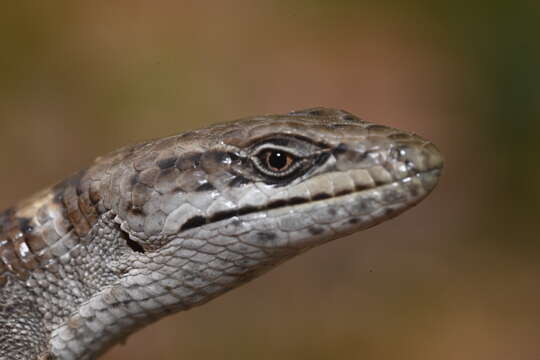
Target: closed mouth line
<point>199,220</point>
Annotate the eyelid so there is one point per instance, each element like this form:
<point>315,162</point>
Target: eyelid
<point>264,147</point>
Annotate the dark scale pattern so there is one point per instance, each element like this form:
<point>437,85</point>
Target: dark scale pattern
<point>17,246</point>
<point>30,242</point>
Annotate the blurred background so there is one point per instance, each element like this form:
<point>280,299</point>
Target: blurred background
<point>455,278</point>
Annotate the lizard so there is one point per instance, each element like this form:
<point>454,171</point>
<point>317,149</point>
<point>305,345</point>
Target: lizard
<point>169,224</point>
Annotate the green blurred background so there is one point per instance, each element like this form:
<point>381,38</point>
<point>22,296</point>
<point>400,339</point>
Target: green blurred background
<point>456,278</point>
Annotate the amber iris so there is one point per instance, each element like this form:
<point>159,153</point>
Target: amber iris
<point>278,161</point>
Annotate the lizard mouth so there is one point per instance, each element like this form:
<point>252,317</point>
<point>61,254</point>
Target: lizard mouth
<point>426,181</point>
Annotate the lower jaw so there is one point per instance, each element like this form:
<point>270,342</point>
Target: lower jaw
<point>342,214</point>
<point>305,225</point>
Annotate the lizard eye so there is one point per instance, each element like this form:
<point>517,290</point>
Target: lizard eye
<point>276,162</point>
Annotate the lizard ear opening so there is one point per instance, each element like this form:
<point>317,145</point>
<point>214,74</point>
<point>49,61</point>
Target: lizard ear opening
<point>132,244</point>
<point>135,246</point>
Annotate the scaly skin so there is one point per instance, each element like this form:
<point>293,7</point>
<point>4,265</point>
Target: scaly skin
<point>169,224</point>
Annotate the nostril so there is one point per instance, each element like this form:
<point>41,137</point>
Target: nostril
<point>411,158</point>
<point>399,153</point>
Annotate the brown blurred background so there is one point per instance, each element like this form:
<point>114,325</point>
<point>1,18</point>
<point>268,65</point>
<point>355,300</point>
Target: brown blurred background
<point>455,278</point>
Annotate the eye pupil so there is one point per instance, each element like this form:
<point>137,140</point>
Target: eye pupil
<point>276,163</point>
<point>277,160</point>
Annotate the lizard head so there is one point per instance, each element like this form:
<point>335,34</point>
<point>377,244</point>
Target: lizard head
<point>219,205</point>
